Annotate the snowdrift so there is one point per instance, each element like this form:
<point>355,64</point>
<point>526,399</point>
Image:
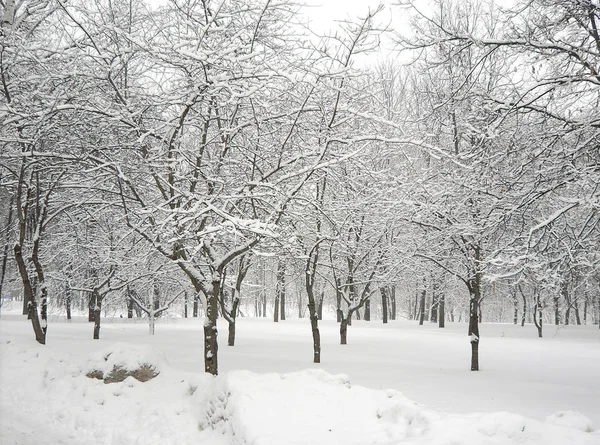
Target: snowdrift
<point>50,397</point>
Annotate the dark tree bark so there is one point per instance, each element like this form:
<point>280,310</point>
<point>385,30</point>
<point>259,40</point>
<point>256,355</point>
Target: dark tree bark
<point>338,299</point>
<point>91,305</point>
<point>475,298</point>
<point>97,311</point>
<point>537,314</point>
<point>515,306</point>
<point>393,300</point>
<point>367,313</point>
<point>68,298</point>
<point>211,345</point>
<point>384,304</point>
<point>524,314</point>
<point>422,307</point>
<point>442,310</point>
<point>195,308</point>
<point>344,330</point>
<point>320,305</point>
<point>556,310</point>
<point>185,304</point>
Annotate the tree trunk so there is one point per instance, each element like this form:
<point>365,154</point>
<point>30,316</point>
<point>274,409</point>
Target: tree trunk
<point>515,307</point>
<point>195,308</point>
<point>68,301</point>
<point>556,310</point>
<point>280,293</point>
<point>264,305</point>
<point>97,310</point>
<point>320,305</point>
<point>524,314</point>
<point>91,305</point>
<point>185,304</point>
<point>211,345</point>
<point>577,316</point>
<point>231,321</point>
<point>367,313</point>
<point>384,305</point>
<point>422,307</point>
<point>129,303</point>
<point>344,329</point>
<point>338,299</point>
<point>537,315</point>
<point>475,298</point>
<point>442,310</point>
<point>28,297</point>
<point>585,309</point>
<point>393,298</point>
<point>313,315</point>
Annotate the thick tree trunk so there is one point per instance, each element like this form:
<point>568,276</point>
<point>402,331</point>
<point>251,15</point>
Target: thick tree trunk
<point>211,345</point>
<point>367,313</point>
<point>344,330</point>
<point>577,316</point>
<point>384,304</point>
<point>556,310</point>
<point>422,307</point>
<point>515,307</point>
<point>276,308</point>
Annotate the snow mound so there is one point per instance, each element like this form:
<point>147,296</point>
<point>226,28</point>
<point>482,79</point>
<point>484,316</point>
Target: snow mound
<point>571,419</point>
<point>239,408</point>
<point>120,360</point>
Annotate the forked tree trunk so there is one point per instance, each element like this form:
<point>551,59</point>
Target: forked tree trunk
<point>32,312</point>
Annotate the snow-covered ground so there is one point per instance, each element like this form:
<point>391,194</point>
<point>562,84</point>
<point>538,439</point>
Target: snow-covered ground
<point>392,384</point>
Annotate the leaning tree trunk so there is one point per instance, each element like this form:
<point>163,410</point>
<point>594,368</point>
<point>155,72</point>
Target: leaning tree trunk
<point>32,312</point>
<point>231,322</point>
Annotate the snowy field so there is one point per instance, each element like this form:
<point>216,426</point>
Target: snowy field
<point>392,384</point>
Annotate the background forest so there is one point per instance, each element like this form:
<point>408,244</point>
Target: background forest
<point>219,159</point>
